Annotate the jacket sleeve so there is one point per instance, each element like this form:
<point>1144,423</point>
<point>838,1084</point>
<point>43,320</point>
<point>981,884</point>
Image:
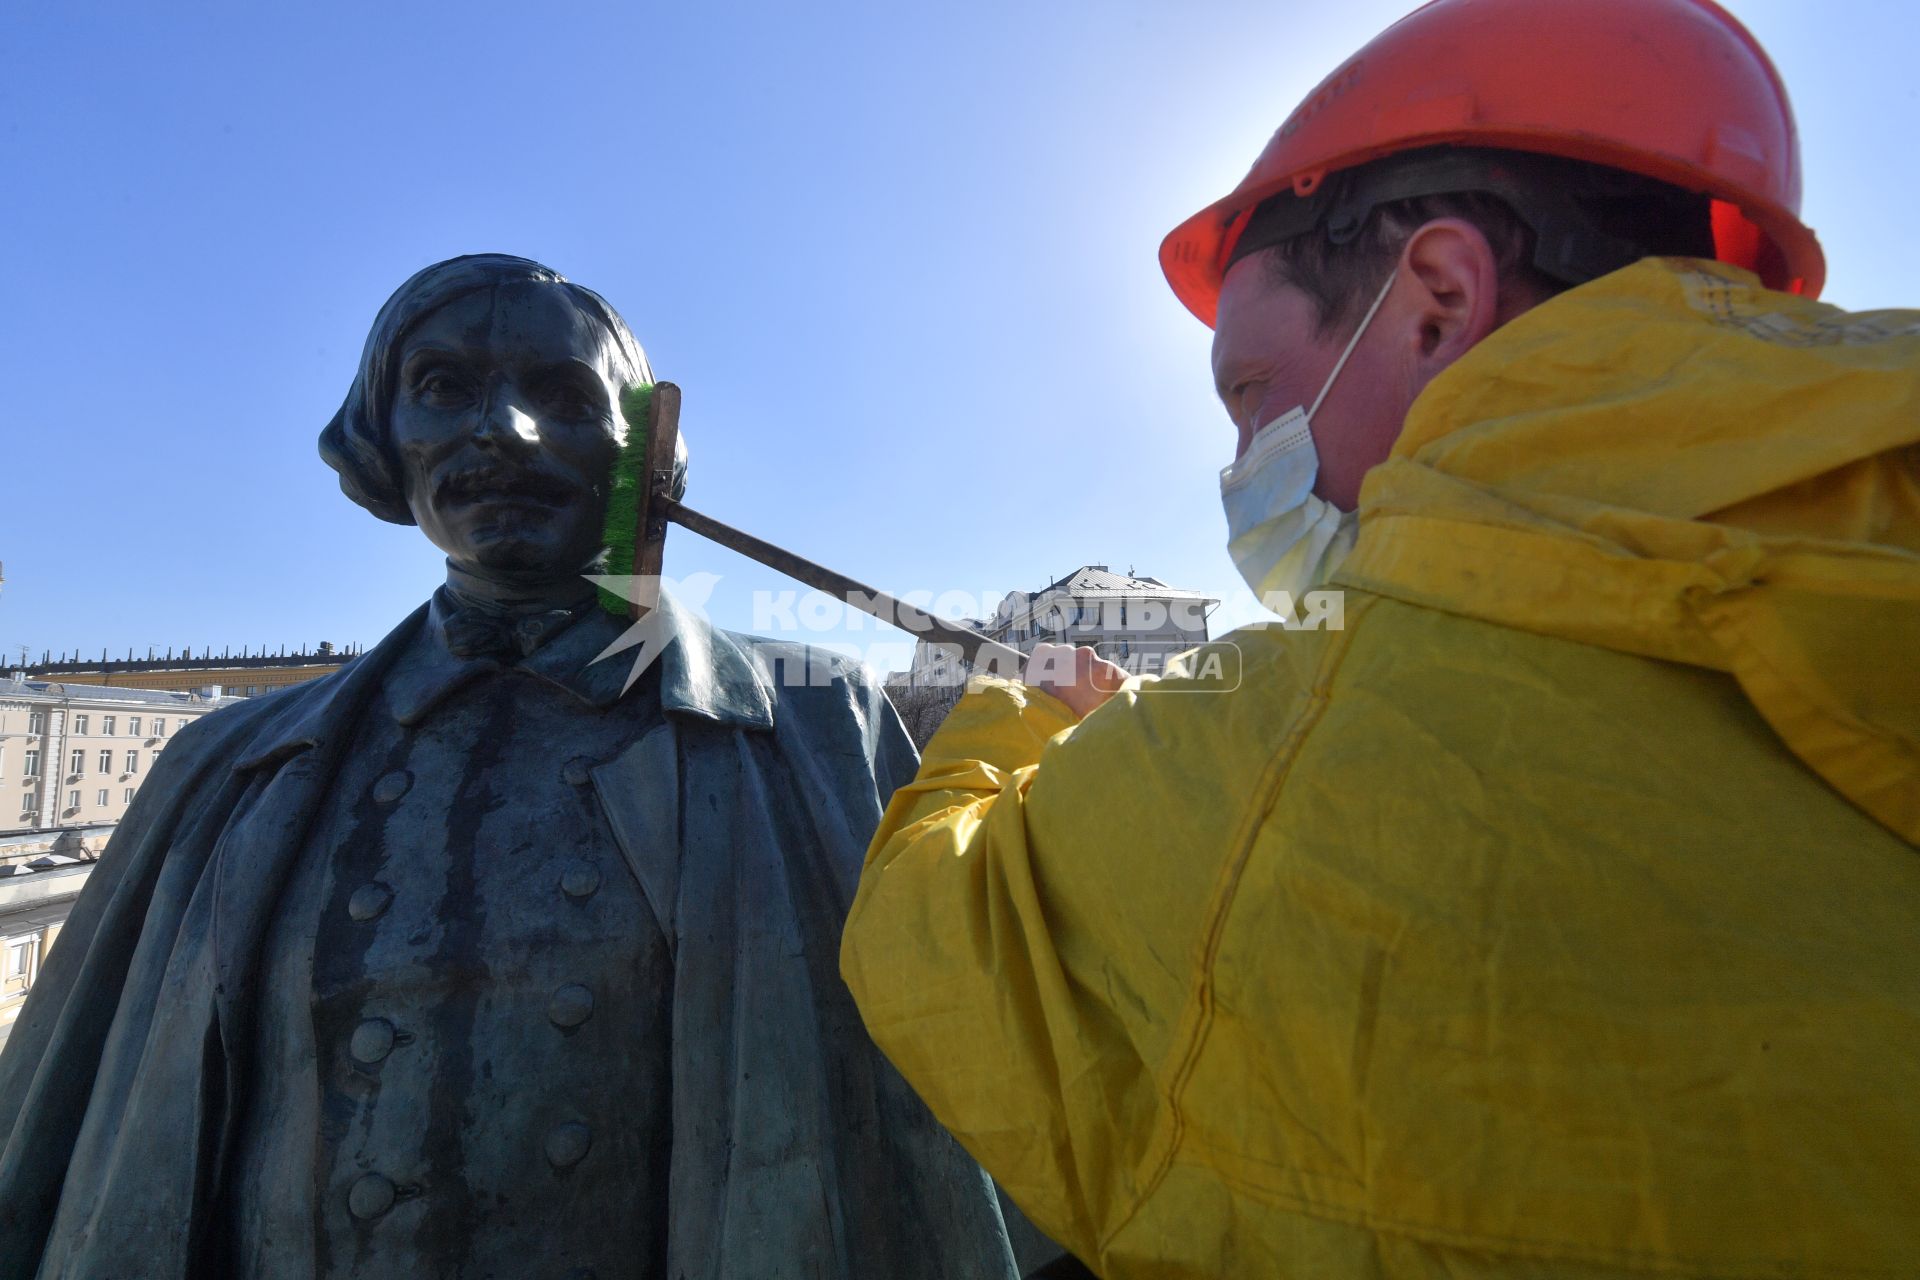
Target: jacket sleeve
<point>1023,946</point>
<point>890,750</point>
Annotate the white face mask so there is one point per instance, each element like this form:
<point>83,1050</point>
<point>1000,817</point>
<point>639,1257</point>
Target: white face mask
<point>1280,535</point>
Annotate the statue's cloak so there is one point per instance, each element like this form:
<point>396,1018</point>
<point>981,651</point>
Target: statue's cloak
<point>744,811</point>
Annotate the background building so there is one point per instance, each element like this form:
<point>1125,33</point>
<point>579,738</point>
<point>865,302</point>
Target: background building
<point>1138,622</point>
<point>74,754</point>
<point>40,876</point>
<point>1135,621</point>
<point>71,758</point>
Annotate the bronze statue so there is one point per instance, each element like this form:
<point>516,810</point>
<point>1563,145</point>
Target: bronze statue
<point>470,960</point>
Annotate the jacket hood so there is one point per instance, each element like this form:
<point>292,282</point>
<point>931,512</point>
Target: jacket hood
<point>1675,462</point>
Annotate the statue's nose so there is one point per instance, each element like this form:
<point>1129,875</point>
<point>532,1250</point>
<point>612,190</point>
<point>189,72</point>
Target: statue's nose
<point>505,422</point>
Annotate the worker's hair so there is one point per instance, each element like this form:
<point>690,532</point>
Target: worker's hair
<point>357,442</point>
<point>1594,219</point>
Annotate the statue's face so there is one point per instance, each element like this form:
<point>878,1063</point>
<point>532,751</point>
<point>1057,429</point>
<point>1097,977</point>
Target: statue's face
<point>506,423</point>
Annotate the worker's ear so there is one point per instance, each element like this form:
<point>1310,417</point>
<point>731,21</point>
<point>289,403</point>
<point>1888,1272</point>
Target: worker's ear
<point>1456,291</point>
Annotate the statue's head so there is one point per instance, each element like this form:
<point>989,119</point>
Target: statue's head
<point>486,410</point>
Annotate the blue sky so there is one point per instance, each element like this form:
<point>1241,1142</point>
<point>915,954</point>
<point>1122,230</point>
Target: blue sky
<point>899,257</point>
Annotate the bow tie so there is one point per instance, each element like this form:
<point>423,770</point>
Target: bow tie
<point>484,633</point>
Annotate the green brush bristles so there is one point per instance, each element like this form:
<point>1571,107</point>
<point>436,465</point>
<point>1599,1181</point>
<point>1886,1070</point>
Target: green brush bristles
<point>622,532</point>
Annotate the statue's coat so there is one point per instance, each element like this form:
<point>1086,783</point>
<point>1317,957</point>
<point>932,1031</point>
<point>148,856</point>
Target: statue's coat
<point>744,810</point>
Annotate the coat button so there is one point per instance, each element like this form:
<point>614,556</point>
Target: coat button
<point>392,786</point>
<point>567,1143</point>
<point>579,879</point>
<point>368,901</point>
<point>370,1196</point>
<point>372,1040</point>
<point>577,771</point>
<point>571,1005</point>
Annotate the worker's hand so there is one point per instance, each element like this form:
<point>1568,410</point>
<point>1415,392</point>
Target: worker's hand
<point>1078,677</point>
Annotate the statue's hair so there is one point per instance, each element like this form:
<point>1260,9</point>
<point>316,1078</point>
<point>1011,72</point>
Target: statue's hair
<point>357,443</point>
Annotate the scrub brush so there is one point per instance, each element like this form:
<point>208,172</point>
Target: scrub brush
<point>622,530</point>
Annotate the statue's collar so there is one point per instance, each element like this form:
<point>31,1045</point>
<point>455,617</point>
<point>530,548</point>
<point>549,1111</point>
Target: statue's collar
<point>429,669</point>
<point>704,673</point>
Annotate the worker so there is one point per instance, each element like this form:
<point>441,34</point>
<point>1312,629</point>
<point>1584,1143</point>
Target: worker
<point>1559,913</point>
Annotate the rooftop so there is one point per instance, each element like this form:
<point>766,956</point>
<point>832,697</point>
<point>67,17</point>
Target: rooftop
<point>323,655</point>
<point>53,691</point>
<point>1098,582</point>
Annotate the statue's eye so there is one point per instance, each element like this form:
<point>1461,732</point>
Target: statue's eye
<point>569,397</point>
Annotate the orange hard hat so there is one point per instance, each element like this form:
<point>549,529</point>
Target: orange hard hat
<point>1675,90</point>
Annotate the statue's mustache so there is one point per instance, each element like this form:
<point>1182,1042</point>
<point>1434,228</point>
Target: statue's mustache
<point>521,482</point>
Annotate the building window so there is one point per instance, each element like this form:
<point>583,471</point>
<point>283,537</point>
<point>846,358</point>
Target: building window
<point>78,762</point>
<point>106,761</point>
<point>20,965</point>
<point>30,802</point>
<point>73,799</point>
<point>36,722</point>
<point>33,764</point>
<point>101,799</point>
<point>106,724</point>
<point>133,762</point>
<point>128,797</point>
<point>133,725</point>
<point>79,724</point>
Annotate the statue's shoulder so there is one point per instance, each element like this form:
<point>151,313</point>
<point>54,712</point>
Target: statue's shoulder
<point>780,661</point>
<point>236,728</point>
<point>240,718</point>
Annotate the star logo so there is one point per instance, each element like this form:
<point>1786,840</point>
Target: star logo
<point>657,629</point>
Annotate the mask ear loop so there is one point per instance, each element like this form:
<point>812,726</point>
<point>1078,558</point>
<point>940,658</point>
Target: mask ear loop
<point>1352,342</point>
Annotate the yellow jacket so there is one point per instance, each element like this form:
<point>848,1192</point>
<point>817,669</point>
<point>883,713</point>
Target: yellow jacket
<point>1559,916</point>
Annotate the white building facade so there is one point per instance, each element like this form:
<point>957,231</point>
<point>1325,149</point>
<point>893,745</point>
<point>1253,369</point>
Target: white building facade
<point>1135,621</point>
<point>74,754</point>
<point>71,758</point>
